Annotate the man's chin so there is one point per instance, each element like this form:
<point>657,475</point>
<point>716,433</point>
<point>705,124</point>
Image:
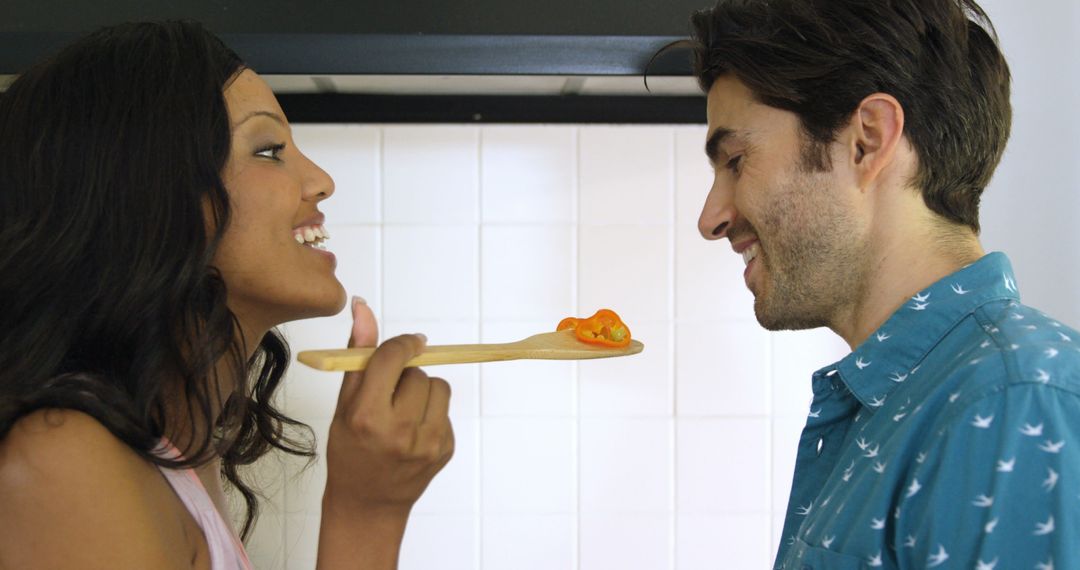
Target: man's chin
<point>778,318</point>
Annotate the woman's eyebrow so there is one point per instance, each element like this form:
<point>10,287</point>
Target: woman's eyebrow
<point>269,114</point>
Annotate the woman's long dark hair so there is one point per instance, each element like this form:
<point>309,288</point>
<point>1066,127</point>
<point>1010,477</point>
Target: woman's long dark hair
<point>111,208</point>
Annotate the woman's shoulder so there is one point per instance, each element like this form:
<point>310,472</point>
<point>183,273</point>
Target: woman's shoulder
<point>77,492</point>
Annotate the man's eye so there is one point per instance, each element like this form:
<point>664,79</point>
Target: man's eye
<point>271,151</point>
<point>734,164</point>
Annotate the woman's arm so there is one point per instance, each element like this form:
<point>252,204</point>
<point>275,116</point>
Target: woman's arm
<point>390,435</point>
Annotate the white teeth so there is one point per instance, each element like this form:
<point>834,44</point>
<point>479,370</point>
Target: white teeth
<point>750,253</point>
<point>311,236</point>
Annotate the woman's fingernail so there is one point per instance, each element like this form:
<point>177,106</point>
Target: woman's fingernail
<point>358,300</point>
<point>422,336</point>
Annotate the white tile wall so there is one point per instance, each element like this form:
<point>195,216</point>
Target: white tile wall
<point>678,458</point>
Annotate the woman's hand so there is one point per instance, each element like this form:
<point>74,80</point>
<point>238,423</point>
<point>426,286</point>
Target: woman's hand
<point>389,437</point>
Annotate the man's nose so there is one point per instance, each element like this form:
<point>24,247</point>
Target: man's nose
<point>717,214</point>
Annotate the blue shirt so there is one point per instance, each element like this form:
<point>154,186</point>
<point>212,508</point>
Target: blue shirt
<point>949,439</point>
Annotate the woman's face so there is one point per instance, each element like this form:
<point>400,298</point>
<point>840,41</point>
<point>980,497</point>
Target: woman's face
<point>271,255</point>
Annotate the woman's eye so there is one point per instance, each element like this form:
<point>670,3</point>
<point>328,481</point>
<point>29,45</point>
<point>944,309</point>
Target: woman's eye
<point>271,151</point>
<point>734,164</point>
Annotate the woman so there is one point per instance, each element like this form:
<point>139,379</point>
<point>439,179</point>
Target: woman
<point>158,222</point>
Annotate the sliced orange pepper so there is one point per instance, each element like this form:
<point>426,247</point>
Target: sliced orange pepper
<point>604,328</point>
<point>568,323</point>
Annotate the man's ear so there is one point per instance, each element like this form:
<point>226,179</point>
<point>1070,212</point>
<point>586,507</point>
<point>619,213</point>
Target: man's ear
<point>877,127</point>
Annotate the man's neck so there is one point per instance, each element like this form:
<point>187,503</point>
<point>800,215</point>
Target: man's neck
<point>900,268</point>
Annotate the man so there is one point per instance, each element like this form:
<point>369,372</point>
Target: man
<point>851,140</point>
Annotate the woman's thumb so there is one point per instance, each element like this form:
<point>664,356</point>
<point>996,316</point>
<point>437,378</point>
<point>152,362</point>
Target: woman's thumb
<point>365,330</point>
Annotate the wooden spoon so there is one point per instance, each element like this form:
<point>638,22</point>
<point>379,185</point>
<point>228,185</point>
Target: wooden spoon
<point>561,345</point>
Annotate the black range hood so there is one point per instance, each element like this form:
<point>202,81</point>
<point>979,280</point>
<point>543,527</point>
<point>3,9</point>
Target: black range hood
<point>317,44</point>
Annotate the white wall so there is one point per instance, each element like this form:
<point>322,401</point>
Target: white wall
<point>679,457</point>
<point>1031,207</point>
<point>676,458</point>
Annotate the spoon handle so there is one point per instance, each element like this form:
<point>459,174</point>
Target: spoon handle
<point>345,359</point>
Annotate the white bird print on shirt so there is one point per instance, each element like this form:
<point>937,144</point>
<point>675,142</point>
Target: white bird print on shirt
<point>1051,447</point>
<point>861,363</point>
<point>849,471</point>
<point>959,289</point>
<point>1009,283</point>
<point>1030,430</point>
<point>953,397</point>
<point>1031,327</point>
<point>986,565</point>
<point>1042,376</point>
<point>827,542</point>
<point>876,402</point>
<point>814,414</point>
<point>989,528</point>
<point>1044,528</point>
<point>921,457</point>
<point>983,501</point>
<point>937,559</point>
<point>883,336</point>
<point>981,422</point>
<point>1006,466</point>
<point>1051,480</point>
<point>910,541</point>
<point>874,561</point>
<point>984,344</point>
<point>1064,337</point>
<point>920,306</point>
<point>1048,565</point>
<point>1016,316</point>
<point>879,467</point>
<point>913,488</point>
<point>877,524</point>
<point>863,444</point>
<point>803,511</point>
<point>899,416</point>
<point>921,298</point>
<point>897,377</point>
<point>872,452</point>
<point>1050,352</point>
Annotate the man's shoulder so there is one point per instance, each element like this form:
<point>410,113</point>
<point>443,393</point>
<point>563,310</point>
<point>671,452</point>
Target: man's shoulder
<point>1028,346</point>
<point>1008,353</point>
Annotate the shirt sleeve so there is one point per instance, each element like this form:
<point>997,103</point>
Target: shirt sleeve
<point>998,486</point>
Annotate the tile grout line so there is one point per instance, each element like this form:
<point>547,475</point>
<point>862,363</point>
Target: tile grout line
<point>575,216</point>
<point>479,328</point>
<point>672,307</point>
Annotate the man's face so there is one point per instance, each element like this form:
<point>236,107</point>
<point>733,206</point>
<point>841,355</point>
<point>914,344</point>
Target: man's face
<point>796,224</point>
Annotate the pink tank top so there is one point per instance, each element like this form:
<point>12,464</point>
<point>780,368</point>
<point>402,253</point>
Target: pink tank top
<point>226,551</point>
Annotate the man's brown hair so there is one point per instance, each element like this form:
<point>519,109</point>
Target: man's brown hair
<point>820,58</point>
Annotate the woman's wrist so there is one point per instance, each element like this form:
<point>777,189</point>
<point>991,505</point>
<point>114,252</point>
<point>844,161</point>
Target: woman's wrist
<point>360,538</point>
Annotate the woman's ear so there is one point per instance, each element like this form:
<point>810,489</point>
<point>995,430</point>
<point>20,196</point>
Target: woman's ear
<point>877,127</point>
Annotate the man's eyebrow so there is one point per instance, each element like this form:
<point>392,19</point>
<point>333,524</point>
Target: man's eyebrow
<point>712,145</point>
<point>269,114</point>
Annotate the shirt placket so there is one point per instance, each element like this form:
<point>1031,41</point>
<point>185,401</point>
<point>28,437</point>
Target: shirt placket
<point>820,447</point>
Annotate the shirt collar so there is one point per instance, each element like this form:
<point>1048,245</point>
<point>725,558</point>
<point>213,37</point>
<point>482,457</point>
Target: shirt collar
<point>891,354</point>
